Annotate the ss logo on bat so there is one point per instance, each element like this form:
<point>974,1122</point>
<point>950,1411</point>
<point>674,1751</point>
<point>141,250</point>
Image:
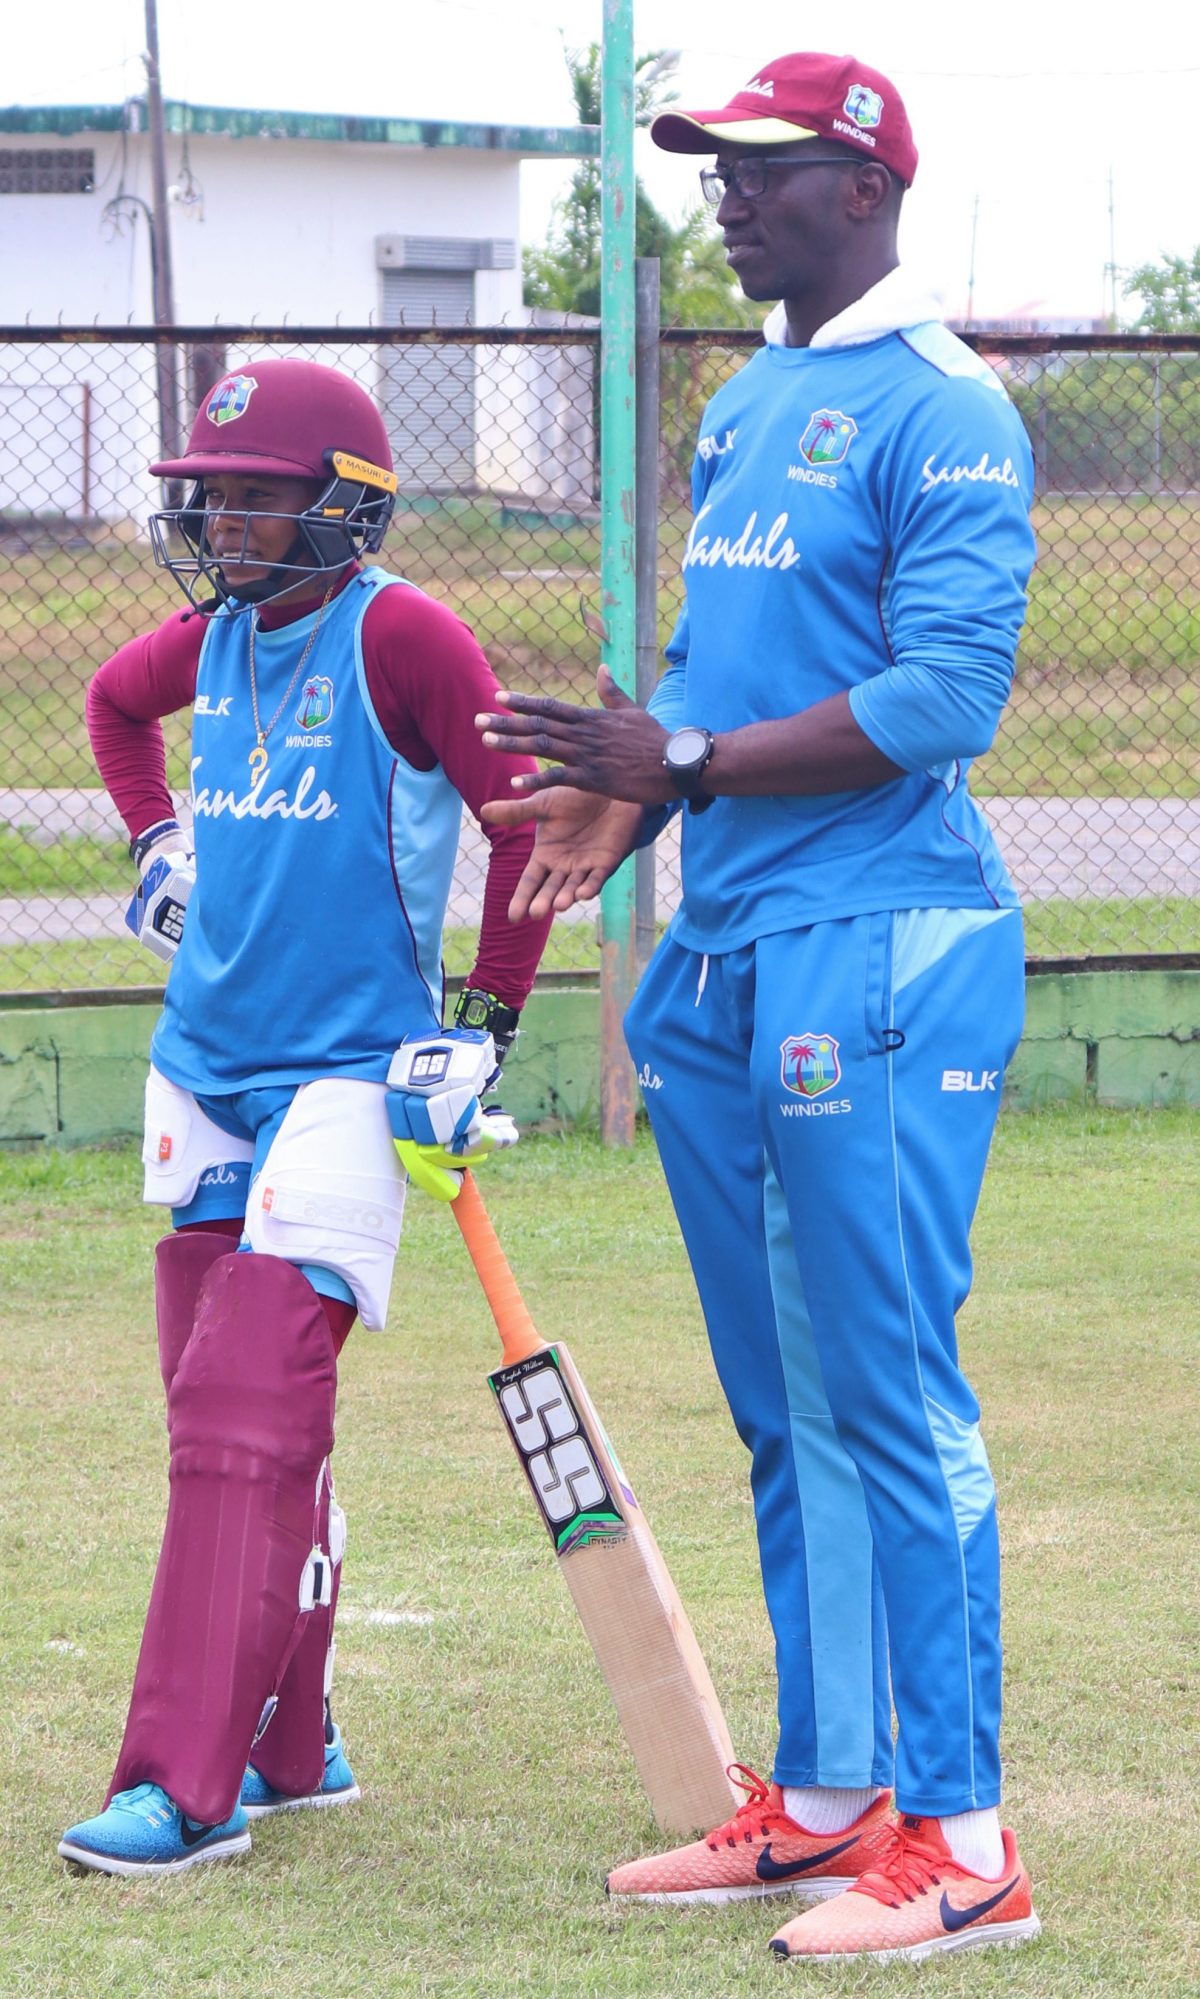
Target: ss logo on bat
<point>556,1454</point>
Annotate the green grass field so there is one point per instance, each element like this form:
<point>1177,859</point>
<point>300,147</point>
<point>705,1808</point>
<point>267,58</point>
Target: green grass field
<point>1107,674</point>
<point>1054,929</point>
<point>118,962</point>
<point>1106,701</point>
<point>496,1788</point>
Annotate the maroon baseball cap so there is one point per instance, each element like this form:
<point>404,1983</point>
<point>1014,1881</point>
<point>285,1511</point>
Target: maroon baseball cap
<point>802,97</point>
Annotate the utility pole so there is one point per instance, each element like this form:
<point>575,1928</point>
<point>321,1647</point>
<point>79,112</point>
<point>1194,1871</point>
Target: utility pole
<point>163,281</point>
<point>971,272</point>
<point>645,546</point>
<point>1112,256</point>
<point>618,345</point>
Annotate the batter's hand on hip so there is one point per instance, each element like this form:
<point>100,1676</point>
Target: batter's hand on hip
<point>439,1124</point>
<point>168,875</point>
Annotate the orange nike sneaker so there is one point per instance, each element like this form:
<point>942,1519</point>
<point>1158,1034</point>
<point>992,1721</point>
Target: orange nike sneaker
<point>759,1851</point>
<point>916,1901</point>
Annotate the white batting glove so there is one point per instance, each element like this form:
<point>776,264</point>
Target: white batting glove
<point>438,1122</point>
<point>168,876</point>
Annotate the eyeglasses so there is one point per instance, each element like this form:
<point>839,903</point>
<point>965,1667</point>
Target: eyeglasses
<point>749,177</point>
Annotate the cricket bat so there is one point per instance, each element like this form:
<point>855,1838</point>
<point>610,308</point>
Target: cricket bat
<point>627,1603</point>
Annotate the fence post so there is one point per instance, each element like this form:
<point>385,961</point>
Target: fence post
<point>618,968</point>
<point>646,555</point>
<point>160,227</point>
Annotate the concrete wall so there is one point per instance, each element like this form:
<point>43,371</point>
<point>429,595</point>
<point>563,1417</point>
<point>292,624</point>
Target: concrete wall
<point>1120,1037</point>
<point>286,230</point>
<point>73,1075</point>
<point>286,234</point>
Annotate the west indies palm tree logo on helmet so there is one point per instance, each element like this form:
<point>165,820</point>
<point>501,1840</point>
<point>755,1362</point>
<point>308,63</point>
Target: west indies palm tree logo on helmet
<point>230,398</point>
<point>809,1064</point>
<point>316,702</point>
<point>828,437</point>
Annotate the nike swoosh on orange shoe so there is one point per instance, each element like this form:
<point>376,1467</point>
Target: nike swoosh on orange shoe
<point>769,1869</point>
<point>957,1919</point>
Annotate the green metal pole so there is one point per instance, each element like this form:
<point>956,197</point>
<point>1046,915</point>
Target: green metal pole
<point>618,935</point>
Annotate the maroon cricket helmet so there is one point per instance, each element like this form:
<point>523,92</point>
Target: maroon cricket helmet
<point>280,418</point>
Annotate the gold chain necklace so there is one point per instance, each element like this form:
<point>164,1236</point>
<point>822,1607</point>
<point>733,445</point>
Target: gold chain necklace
<point>258,755</point>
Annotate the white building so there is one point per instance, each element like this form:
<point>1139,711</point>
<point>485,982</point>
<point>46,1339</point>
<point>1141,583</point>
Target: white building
<point>275,218</point>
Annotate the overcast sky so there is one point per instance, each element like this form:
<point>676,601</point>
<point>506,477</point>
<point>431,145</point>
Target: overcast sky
<point>1021,112</point>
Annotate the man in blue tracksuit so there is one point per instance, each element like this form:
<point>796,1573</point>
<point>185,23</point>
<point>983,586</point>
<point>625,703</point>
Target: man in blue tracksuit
<point>822,1034</point>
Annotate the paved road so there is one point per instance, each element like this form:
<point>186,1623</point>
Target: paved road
<point>1070,847</point>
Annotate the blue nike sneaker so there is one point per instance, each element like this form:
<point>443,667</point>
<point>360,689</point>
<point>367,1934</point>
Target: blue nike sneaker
<point>337,1787</point>
<point>144,1832</point>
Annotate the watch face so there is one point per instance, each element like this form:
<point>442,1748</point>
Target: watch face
<point>475,1013</point>
<point>687,747</point>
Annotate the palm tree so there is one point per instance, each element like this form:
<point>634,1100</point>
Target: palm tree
<point>563,274</point>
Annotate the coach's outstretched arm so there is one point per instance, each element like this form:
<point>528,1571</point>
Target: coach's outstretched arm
<point>608,782</point>
<point>581,840</point>
<point>584,831</point>
<point>617,750</point>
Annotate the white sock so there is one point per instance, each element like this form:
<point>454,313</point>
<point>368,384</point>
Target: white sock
<point>819,1809</point>
<point>975,1842</point>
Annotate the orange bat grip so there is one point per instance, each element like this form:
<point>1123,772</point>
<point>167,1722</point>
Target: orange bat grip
<point>519,1337</point>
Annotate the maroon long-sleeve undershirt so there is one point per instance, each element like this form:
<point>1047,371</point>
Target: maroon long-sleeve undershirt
<point>427,678</point>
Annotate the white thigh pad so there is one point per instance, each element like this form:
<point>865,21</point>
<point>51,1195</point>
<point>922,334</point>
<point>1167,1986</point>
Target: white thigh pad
<point>331,1191</point>
<point>180,1143</point>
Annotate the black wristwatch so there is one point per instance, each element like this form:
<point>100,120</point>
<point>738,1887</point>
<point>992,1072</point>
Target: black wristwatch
<point>484,1012</point>
<point>685,760</point>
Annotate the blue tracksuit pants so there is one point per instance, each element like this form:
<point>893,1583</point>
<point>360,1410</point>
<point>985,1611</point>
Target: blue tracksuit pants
<point>823,1101</point>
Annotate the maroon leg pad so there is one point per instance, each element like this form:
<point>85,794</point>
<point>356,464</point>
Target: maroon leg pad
<point>250,1415</point>
<point>290,1753</point>
<point>341,1315</point>
<point>181,1262</point>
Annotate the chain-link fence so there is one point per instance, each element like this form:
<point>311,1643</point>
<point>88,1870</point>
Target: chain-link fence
<point>1092,785</point>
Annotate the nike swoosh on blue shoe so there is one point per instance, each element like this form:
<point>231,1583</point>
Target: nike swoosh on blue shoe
<point>769,1869</point>
<point>143,1831</point>
<point>957,1919</point>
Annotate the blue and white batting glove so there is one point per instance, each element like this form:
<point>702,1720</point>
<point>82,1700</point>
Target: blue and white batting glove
<point>168,876</point>
<point>438,1122</point>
